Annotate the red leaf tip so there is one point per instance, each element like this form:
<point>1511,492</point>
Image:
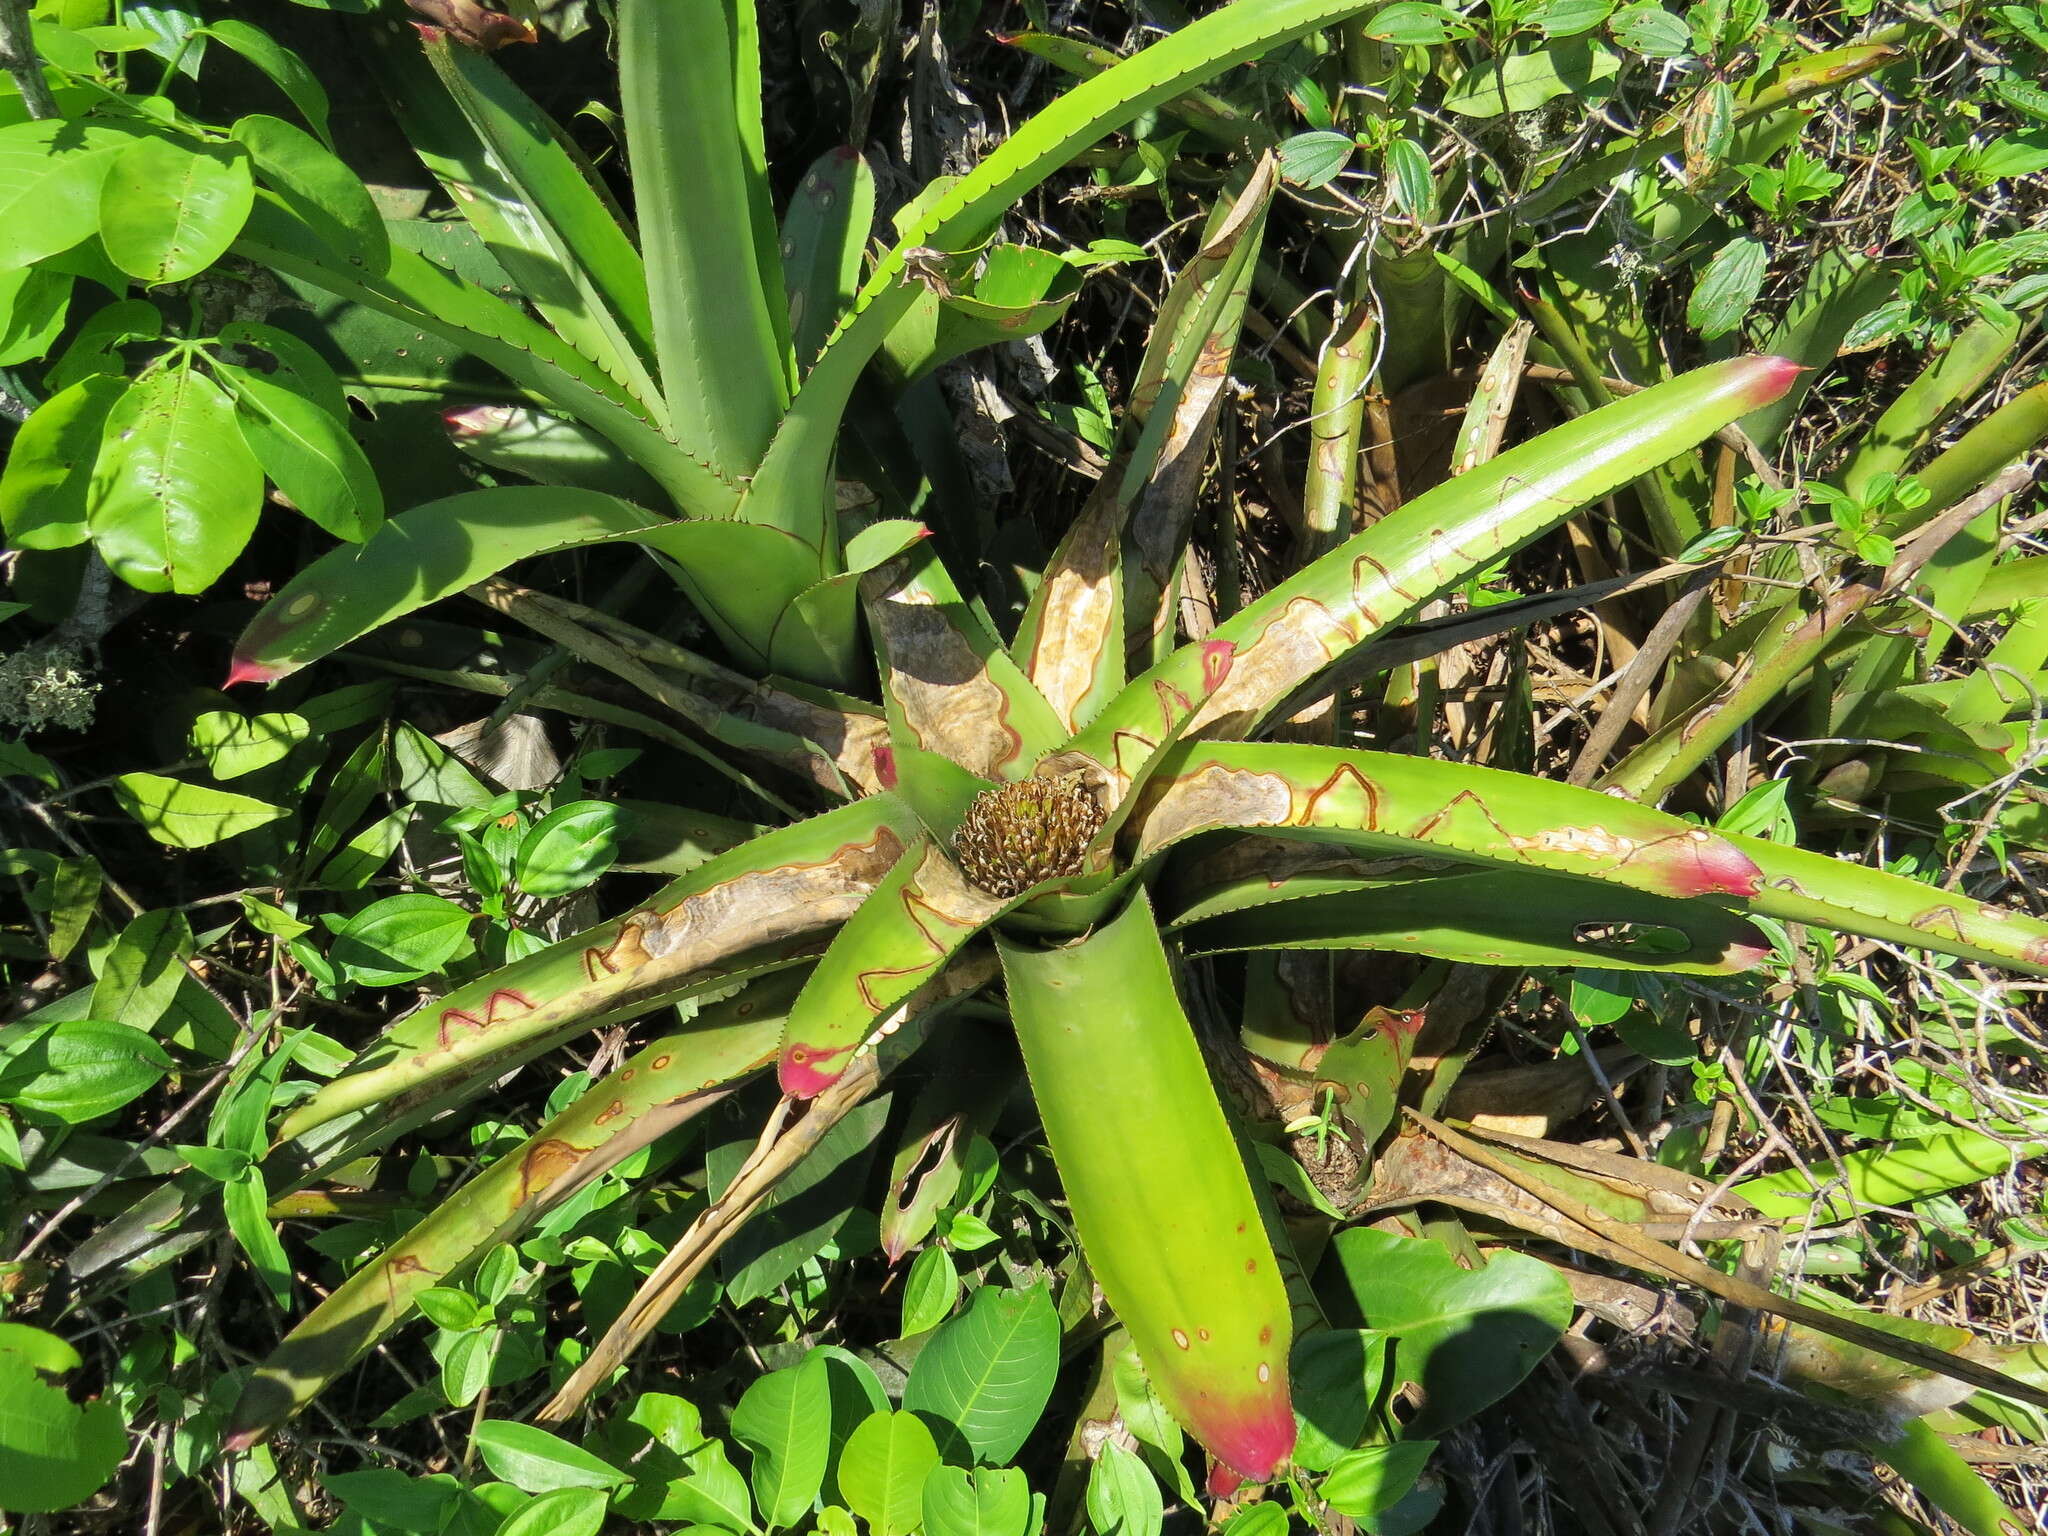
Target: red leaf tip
<point>1258,1444</point>
<point>245,670</point>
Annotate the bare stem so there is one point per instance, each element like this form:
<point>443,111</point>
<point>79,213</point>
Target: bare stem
<point>19,58</point>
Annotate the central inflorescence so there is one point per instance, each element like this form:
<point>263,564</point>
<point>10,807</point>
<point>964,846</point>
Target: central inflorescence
<point>1018,834</point>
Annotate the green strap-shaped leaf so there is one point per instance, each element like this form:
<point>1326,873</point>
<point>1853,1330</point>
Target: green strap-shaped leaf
<point>772,894</point>
<point>1414,806</point>
<point>823,233</point>
<point>1385,573</point>
<point>420,557</point>
<point>1165,1214</point>
<point>410,288</point>
<point>656,1089</point>
<point>1484,917</point>
<point>914,922</point>
<point>504,163</point>
<point>1799,886</point>
<point>691,82</point>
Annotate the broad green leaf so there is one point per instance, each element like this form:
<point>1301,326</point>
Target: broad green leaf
<point>1522,82</point>
<point>1466,1337</point>
<point>1314,159</point>
<point>1647,28</point>
<point>882,1472</point>
<point>1124,1498</point>
<point>76,1070</point>
<point>528,1457</point>
<point>53,1453</point>
<point>144,969</point>
<point>311,456</point>
<point>400,938</point>
<point>1263,1519</point>
<point>1411,25</point>
<point>568,848</point>
<point>287,71</point>
<point>1727,289</point>
<point>1411,183</point>
<point>929,1290</point>
<point>989,1372</point>
<point>419,1506</point>
<point>175,490</point>
<point>50,177</point>
<point>418,557</point>
<point>565,1512</point>
<point>785,1419</point>
<point>987,1501</point>
<point>317,186</point>
<point>33,304</point>
<point>235,744</point>
<point>1371,1481</point>
<point>45,480</point>
<point>74,897</point>
<point>466,1368</point>
<point>1337,1380</point>
<point>188,815</point>
<point>168,212</point>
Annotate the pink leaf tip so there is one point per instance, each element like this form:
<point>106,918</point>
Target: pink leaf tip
<point>246,670</point>
<point>1256,1445</point>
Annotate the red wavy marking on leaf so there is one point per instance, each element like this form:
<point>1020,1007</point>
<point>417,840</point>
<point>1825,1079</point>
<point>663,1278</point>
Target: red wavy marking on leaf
<point>885,767</point>
<point>1174,706</point>
<point>1143,745</point>
<point>1359,585</point>
<point>1429,824</point>
<point>1311,806</point>
<point>921,913</point>
<point>450,1017</point>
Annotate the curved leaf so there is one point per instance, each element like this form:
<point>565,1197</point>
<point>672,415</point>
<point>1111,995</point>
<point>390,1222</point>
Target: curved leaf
<point>419,557</point>
<point>989,1372</point>
<point>1166,1219</point>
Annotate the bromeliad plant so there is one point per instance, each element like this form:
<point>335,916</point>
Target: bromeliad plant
<point>1023,807</point>
<point>1025,794</point>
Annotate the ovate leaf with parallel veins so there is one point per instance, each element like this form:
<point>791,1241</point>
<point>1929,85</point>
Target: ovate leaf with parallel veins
<point>175,490</point>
